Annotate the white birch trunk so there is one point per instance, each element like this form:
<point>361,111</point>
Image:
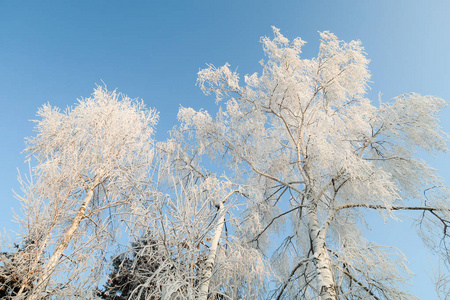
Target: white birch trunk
<point>210,260</point>
<point>53,261</point>
<point>325,280</point>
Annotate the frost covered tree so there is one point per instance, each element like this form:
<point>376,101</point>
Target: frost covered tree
<point>190,245</point>
<point>306,158</point>
<point>96,170</point>
<point>313,154</point>
<point>88,164</point>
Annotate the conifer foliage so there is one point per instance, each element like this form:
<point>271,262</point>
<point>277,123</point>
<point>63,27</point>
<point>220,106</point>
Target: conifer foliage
<point>129,271</point>
<point>15,271</point>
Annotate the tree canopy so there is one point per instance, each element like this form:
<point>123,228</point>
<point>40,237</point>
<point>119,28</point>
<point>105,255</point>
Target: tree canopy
<point>306,143</point>
<point>267,199</point>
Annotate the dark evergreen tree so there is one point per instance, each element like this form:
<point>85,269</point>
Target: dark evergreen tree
<point>132,269</point>
<point>15,273</point>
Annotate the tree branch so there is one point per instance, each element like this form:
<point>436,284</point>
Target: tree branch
<point>290,276</point>
<point>271,222</point>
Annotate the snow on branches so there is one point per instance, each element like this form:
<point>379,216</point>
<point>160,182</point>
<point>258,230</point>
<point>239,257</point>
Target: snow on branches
<point>303,137</point>
<point>303,157</point>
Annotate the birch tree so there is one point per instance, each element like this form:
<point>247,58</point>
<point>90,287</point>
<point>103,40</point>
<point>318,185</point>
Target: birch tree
<point>314,154</point>
<point>183,226</point>
<point>88,163</point>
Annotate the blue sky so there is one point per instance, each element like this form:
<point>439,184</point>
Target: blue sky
<point>56,51</point>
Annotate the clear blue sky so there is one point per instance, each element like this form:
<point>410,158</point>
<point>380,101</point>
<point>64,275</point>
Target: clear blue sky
<point>56,51</point>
